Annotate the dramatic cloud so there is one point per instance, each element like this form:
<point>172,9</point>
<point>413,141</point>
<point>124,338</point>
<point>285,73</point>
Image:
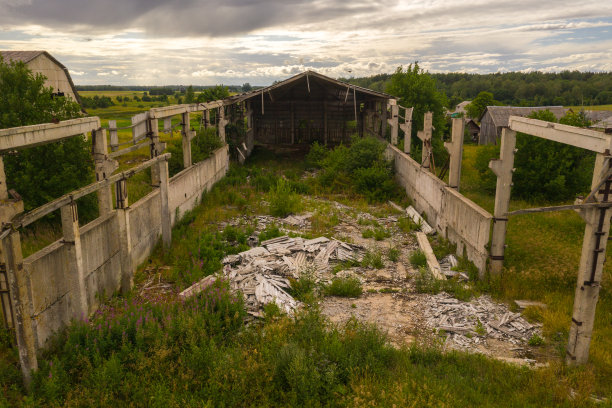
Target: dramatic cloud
<point>259,41</point>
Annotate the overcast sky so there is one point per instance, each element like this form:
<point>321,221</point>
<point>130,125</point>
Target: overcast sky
<point>157,42</point>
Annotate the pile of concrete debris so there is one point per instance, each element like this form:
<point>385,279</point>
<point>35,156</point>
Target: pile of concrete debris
<point>262,273</point>
<point>470,323</point>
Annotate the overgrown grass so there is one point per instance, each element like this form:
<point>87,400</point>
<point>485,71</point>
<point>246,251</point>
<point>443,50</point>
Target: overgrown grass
<point>417,258</point>
<point>283,199</point>
<point>541,263</point>
<point>373,259</point>
<point>424,282</point>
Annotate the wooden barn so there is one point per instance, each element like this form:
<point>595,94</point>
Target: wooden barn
<point>495,118</point>
<point>42,62</point>
<point>306,108</point>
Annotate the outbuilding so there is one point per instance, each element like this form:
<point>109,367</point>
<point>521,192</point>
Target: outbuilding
<point>495,118</point>
<point>44,63</point>
<point>309,107</point>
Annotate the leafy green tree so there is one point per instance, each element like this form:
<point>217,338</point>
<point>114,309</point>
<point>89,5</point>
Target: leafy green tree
<point>189,95</point>
<point>42,173</point>
<point>213,94</point>
<point>246,87</point>
<point>478,105</point>
<point>417,88</point>
<point>545,170</point>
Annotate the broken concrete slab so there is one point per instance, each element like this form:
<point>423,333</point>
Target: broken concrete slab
<point>523,304</point>
<point>432,262</point>
<point>197,287</point>
<point>419,220</point>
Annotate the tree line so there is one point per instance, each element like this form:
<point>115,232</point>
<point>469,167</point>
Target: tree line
<point>571,88</point>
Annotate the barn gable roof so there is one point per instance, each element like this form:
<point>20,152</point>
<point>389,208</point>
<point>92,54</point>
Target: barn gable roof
<point>310,78</point>
<point>27,56</point>
<point>501,114</point>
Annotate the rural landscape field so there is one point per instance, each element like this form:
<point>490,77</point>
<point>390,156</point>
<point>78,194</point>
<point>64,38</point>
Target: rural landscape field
<point>305,212</point>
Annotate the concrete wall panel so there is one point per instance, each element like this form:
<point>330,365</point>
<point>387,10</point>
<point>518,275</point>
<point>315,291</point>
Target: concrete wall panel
<point>454,216</point>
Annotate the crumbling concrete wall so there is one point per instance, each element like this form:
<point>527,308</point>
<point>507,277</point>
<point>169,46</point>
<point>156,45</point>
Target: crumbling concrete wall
<point>54,304</point>
<point>454,216</point>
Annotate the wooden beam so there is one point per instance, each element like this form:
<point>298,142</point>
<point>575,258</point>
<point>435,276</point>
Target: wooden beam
<point>584,138</point>
<point>34,135</point>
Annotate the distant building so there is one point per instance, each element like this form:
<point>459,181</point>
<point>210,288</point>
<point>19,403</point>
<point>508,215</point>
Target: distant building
<point>42,62</point>
<point>596,116</point>
<point>473,129</point>
<point>495,118</point>
<point>460,110</point>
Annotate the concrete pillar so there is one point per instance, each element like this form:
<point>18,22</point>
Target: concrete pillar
<point>166,221</point>
<point>222,123</point>
<point>125,244</point>
<point>22,305</point>
<point>591,267</point>
<point>250,134</point>
<point>168,125</point>
<point>206,119</point>
<point>407,128</point>
<point>114,136</point>
<point>425,135</point>
<point>104,168</point>
<point>75,269</point>
<point>3,187</point>
<point>455,149</point>
<point>155,148</point>
<point>394,121</point>
<point>503,169</point>
<point>187,136</point>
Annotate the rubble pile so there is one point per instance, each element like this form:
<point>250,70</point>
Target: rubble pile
<point>470,323</point>
<point>262,273</point>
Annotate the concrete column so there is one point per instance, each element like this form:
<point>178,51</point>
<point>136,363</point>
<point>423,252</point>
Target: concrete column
<point>187,136</point>
<point>104,168</point>
<point>503,169</point>
<point>114,136</point>
<point>222,123</point>
<point>22,305</point>
<point>394,121</point>
<point>125,244</point>
<point>591,267</point>
<point>425,135</point>
<point>3,187</point>
<point>75,269</point>
<point>250,134</point>
<point>166,221</point>
<point>455,149</point>
<point>155,148</point>
<point>407,128</point>
<point>206,119</point>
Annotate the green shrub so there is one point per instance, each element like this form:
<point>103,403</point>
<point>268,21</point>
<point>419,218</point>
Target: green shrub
<point>316,155</point>
<point>393,254</point>
<point>344,287</point>
<point>271,231</point>
<point>536,340</point>
<point>283,200</point>
<point>407,225</point>
<point>425,282</point>
<point>372,259</point>
<point>417,258</point>
<point>303,288</point>
<point>360,168</point>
